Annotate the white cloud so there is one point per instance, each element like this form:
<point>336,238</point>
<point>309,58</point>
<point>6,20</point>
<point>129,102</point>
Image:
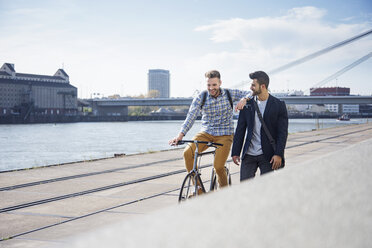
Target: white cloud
<point>268,42</point>
<point>106,58</point>
<point>306,13</point>
<point>302,28</point>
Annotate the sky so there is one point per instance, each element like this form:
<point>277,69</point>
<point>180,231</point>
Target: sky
<point>107,47</point>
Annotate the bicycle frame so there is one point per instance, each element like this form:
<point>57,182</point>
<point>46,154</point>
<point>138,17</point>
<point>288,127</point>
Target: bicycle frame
<point>194,175</point>
<point>195,171</point>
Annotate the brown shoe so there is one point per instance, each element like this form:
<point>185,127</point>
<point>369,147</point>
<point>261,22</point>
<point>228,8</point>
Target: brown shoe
<point>200,192</point>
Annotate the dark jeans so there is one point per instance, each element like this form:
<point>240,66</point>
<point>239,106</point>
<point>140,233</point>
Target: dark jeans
<point>251,163</point>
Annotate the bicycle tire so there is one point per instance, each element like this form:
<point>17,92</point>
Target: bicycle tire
<point>188,187</point>
<point>201,185</point>
<point>185,188</point>
<point>228,175</point>
<point>214,181</point>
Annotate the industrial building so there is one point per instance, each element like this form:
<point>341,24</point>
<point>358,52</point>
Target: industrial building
<point>336,91</point>
<point>30,94</point>
<point>330,91</point>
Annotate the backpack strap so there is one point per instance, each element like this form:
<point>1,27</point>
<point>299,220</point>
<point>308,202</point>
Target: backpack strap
<point>268,134</point>
<point>229,97</point>
<point>204,97</point>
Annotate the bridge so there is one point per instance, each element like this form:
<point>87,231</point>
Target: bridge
<point>120,106</point>
<point>187,101</point>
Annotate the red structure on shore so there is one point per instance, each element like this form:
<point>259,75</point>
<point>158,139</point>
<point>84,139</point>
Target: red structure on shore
<point>330,91</point>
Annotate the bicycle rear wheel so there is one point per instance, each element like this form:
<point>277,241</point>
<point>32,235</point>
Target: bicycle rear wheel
<point>228,175</point>
<point>214,181</point>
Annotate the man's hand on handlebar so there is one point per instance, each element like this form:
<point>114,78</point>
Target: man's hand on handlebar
<point>174,141</point>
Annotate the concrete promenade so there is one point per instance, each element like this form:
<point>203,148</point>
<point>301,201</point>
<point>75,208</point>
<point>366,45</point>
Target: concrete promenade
<point>139,190</point>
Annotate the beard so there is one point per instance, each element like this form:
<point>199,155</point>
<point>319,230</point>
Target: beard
<point>256,92</point>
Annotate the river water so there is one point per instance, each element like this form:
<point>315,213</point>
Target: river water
<point>33,145</point>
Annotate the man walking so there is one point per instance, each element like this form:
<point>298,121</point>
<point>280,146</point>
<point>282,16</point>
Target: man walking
<point>216,107</point>
<point>260,150</point>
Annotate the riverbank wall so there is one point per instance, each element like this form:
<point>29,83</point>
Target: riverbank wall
<point>34,119</point>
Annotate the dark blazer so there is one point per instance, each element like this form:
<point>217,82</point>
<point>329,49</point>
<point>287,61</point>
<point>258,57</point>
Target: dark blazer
<point>276,120</point>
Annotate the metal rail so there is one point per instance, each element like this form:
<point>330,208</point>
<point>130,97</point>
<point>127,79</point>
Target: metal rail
<point>117,185</point>
<point>93,213</point>
<point>136,181</point>
<point>57,198</point>
<point>7,188</point>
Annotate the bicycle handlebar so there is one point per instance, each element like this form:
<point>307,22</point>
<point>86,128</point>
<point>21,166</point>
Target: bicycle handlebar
<point>181,142</point>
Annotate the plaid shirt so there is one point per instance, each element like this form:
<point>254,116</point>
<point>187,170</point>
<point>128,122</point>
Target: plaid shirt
<point>217,114</point>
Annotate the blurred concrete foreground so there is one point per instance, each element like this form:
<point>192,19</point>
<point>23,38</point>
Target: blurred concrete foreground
<point>325,202</point>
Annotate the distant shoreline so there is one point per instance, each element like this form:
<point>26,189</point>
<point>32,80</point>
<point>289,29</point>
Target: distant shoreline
<point>13,119</point>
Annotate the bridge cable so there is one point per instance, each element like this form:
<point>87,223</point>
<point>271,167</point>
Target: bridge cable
<point>312,56</point>
<point>318,53</point>
<point>340,72</point>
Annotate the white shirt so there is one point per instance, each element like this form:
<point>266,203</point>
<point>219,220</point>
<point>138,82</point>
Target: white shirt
<point>255,148</point>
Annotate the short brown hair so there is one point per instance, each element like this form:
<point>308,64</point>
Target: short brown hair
<point>213,74</point>
<point>261,77</point>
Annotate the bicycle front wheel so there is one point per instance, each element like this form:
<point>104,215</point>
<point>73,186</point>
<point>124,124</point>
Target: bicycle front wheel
<point>186,188</point>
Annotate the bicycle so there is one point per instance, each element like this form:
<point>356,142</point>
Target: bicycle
<point>194,175</point>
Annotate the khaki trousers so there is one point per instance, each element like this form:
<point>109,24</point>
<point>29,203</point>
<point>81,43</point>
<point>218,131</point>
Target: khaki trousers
<point>222,152</point>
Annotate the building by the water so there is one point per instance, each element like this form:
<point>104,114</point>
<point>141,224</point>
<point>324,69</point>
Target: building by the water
<point>159,83</point>
<point>30,94</point>
<point>336,91</point>
<point>330,91</point>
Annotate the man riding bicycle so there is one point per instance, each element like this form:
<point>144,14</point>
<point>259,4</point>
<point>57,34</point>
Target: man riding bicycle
<point>216,107</point>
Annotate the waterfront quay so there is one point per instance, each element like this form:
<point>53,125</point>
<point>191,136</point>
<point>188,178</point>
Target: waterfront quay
<point>50,205</point>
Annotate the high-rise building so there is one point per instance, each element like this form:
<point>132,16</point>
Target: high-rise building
<point>159,83</point>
